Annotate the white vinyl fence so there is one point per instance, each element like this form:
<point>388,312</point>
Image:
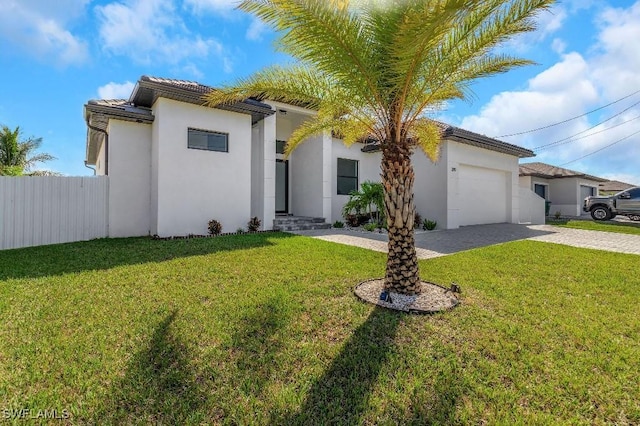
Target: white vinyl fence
<point>39,210</point>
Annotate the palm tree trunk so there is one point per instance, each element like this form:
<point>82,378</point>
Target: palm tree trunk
<point>402,275</point>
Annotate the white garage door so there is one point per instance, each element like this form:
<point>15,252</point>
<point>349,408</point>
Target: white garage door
<point>483,195</point>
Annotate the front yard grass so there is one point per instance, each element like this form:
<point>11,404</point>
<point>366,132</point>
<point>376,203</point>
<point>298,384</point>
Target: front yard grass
<point>609,226</point>
<point>264,329</point>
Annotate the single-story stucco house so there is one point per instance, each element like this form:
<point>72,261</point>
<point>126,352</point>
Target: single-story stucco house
<point>174,164</point>
<point>565,189</point>
<point>611,187</point>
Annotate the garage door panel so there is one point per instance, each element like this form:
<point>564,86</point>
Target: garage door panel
<point>483,195</point>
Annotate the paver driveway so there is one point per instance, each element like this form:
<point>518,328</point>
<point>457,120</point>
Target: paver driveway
<point>440,243</point>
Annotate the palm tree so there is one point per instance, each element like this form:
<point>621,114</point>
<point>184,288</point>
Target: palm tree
<point>377,69</point>
<point>371,194</point>
<point>17,156</point>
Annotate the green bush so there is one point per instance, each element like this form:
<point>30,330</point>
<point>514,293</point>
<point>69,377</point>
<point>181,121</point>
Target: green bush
<point>417,221</point>
<point>429,225</point>
<point>215,227</point>
<point>362,202</point>
<point>338,224</point>
<point>370,227</point>
<point>254,224</point>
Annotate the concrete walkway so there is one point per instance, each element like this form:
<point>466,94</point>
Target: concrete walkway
<point>430,244</point>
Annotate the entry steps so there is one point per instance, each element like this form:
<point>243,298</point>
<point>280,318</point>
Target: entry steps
<point>299,223</point>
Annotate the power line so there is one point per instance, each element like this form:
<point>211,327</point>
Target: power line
<point>601,149</point>
<point>568,119</point>
<point>592,127</point>
<point>565,141</point>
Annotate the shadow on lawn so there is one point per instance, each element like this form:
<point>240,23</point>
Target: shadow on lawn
<point>256,344</point>
<point>159,386</point>
<point>340,396</point>
<point>58,259</point>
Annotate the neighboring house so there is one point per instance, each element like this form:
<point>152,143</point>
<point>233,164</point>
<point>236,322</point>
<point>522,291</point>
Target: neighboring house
<point>611,187</point>
<point>174,164</point>
<point>565,189</point>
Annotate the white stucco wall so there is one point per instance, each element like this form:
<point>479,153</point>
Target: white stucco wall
<point>525,182</point>
<point>532,207</point>
<point>566,197</point>
<point>368,170</point>
<point>100,161</point>
<point>431,186</point>
<point>263,158</point>
<point>195,186</point>
<point>306,179</point>
<point>459,154</point>
<point>129,178</point>
<point>563,193</point>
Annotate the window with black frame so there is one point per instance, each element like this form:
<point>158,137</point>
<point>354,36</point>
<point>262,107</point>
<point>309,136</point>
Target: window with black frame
<point>208,140</point>
<point>347,176</point>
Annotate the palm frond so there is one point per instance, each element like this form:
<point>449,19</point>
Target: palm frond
<point>428,136</point>
<point>297,85</point>
<point>330,38</point>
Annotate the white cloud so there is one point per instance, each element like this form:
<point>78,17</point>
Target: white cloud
<point>256,30</point>
<point>558,46</point>
<point>551,21</point>
<point>193,70</point>
<point>219,6</point>
<point>573,86</point>
<point>116,90</point>
<point>548,22</point>
<point>148,31</point>
<point>38,27</point>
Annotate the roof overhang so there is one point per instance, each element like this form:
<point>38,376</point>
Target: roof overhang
<point>554,172</point>
<point>457,134</point>
<point>97,114</point>
<point>148,89</point>
<point>138,108</point>
<point>547,176</point>
<point>474,139</point>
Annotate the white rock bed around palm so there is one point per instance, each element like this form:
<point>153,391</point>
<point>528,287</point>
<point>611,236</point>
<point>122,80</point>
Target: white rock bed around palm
<point>433,298</point>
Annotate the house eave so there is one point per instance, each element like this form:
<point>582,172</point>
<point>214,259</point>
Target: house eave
<point>147,91</point>
<point>97,117</point>
<point>474,139</point>
<point>547,176</point>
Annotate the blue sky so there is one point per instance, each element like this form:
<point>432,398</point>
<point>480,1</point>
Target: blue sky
<point>55,56</point>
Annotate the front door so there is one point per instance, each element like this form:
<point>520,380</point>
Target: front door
<point>282,186</point>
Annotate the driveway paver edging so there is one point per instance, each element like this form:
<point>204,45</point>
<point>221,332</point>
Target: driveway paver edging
<point>435,244</point>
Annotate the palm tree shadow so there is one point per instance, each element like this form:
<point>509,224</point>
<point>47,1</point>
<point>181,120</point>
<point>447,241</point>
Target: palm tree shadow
<point>159,385</point>
<point>340,396</point>
<point>256,345</point>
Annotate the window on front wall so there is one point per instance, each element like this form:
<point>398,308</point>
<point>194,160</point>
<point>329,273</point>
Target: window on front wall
<point>347,176</point>
<point>208,140</point>
<point>541,190</point>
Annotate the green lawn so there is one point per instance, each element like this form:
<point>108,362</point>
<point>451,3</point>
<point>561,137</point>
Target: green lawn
<point>264,329</point>
<point>609,226</point>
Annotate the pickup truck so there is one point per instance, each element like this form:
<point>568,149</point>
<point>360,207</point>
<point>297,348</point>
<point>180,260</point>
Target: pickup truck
<point>625,203</point>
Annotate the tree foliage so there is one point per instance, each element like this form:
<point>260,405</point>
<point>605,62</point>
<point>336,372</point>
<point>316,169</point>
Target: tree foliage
<point>17,157</point>
<point>379,69</point>
<point>369,196</point>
